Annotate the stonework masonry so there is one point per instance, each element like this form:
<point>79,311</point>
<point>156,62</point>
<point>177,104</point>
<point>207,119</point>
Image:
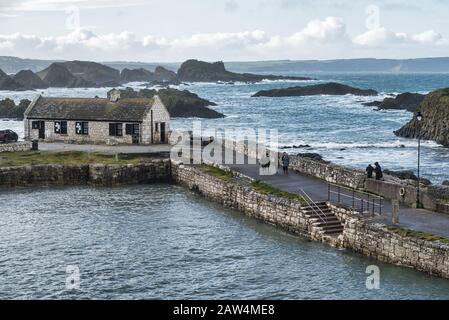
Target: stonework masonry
<point>380,243</point>
<point>93,174</point>
<point>15,147</point>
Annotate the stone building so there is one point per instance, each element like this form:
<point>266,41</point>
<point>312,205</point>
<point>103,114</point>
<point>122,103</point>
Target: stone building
<point>97,121</point>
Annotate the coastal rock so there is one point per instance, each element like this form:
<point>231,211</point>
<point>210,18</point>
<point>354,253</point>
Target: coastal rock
<point>200,71</point>
<point>162,74</point>
<point>404,101</point>
<point>434,126</point>
<point>318,89</point>
<point>57,75</point>
<point>312,156</point>
<point>29,79</point>
<point>407,175</point>
<point>296,146</point>
<point>93,72</point>
<point>181,104</point>
<point>128,75</point>
<point>8,83</point>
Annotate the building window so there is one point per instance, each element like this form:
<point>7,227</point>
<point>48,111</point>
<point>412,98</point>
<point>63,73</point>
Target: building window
<point>82,128</point>
<point>61,127</point>
<point>132,129</point>
<point>35,125</point>
<point>116,129</point>
<point>157,127</point>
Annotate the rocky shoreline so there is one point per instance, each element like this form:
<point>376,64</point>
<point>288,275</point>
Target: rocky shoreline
<point>404,101</point>
<point>435,112</point>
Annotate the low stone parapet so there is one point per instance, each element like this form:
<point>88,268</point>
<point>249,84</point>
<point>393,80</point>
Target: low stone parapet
<point>15,147</point>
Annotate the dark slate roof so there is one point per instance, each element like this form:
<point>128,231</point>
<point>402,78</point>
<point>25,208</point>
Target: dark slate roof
<point>131,110</point>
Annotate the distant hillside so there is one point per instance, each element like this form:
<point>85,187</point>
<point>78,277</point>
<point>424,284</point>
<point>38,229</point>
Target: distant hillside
<point>13,65</point>
<point>349,65</point>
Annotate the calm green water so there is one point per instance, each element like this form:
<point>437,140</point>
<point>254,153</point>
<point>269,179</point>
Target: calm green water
<point>163,242</point>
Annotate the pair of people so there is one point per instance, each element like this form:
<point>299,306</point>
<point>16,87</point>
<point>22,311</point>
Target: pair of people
<point>377,170</point>
<point>285,160</point>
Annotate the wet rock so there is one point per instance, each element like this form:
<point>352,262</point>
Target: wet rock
<point>319,89</point>
<point>435,111</point>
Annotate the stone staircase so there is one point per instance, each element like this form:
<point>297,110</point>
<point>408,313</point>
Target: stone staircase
<point>323,219</point>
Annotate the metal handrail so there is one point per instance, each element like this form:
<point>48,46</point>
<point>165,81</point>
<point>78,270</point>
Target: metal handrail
<point>309,200</point>
<point>364,203</point>
<point>353,189</point>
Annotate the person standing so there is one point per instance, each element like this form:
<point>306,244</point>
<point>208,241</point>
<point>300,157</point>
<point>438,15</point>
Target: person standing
<point>369,171</point>
<point>285,162</point>
<point>378,171</point>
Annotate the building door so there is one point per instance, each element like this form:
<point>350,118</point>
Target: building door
<point>41,129</point>
<point>162,124</point>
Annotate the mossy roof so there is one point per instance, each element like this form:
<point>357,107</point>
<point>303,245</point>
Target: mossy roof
<point>93,109</point>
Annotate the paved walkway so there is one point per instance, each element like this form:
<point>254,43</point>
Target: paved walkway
<point>61,147</point>
<point>417,219</point>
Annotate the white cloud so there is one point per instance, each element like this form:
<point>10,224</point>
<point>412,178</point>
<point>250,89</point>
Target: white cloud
<point>383,37</point>
<point>330,29</point>
<point>319,39</point>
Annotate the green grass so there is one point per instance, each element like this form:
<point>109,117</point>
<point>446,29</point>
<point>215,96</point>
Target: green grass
<point>11,159</point>
<point>270,190</point>
<point>418,234</point>
<point>217,172</point>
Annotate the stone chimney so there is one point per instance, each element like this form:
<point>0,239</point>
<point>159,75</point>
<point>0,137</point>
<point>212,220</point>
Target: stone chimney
<point>114,95</point>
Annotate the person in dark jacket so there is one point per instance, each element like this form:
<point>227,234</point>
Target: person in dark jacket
<point>285,162</point>
<point>378,171</point>
<point>369,171</point>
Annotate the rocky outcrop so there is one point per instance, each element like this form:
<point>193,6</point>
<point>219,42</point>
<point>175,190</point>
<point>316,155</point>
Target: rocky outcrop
<point>181,104</point>
<point>8,83</point>
<point>128,75</point>
<point>319,89</point>
<point>435,123</point>
<point>404,101</point>
<point>9,110</point>
<point>93,72</point>
<point>29,79</point>
<point>162,74</point>
<point>407,175</point>
<point>57,75</point>
<point>200,71</point>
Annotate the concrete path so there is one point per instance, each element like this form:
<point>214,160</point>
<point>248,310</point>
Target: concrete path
<point>421,220</point>
<point>61,147</point>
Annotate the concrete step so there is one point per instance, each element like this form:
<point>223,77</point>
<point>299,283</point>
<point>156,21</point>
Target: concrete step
<point>334,230</point>
<point>329,224</point>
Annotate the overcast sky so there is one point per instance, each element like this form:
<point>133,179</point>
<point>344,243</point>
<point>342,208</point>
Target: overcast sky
<point>175,30</point>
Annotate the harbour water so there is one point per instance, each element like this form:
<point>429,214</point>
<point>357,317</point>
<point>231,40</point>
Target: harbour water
<point>338,127</point>
<point>163,242</point>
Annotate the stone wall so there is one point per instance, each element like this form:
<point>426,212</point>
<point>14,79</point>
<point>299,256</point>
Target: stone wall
<point>378,242</point>
<point>273,210</point>
<point>15,147</point>
<point>332,173</point>
<point>95,174</point>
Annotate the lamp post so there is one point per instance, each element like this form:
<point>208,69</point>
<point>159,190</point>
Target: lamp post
<point>419,117</point>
